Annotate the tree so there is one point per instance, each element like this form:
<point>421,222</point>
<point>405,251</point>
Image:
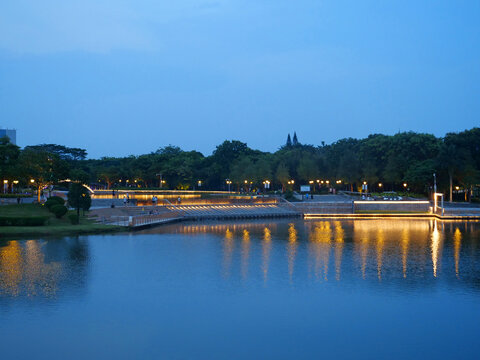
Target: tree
<point>9,154</point>
<point>282,175</point>
<point>79,197</point>
<point>42,167</point>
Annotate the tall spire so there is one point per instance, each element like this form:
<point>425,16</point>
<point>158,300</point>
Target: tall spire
<point>295,139</point>
<point>289,141</point>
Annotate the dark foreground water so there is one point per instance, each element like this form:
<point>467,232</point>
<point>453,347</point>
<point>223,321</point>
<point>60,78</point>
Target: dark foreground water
<point>364,289</point>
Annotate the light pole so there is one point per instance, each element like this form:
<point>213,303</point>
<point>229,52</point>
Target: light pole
<point>160,180</point>
<point>228,182</point>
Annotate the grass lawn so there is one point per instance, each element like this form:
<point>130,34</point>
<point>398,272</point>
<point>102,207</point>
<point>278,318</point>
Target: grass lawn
<point>54,226</point>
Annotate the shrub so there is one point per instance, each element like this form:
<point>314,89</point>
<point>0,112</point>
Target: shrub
<point>58,210</point>
<point>74,220</point>
<point>59,199</point>
<point>23,220</point>
<point>54,200</point>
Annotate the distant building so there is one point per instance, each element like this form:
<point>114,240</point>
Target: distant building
<point>12,135</point>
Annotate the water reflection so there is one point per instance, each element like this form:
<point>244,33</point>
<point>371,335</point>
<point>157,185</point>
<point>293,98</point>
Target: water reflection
<point>374,250</point>
<point>46,269</point>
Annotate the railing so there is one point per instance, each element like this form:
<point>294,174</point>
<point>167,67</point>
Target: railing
<point>288,204</point>
<point>141,220</point>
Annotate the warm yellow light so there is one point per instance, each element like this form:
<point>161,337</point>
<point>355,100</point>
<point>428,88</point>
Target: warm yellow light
<point>318,181</point>
<point>380,184</point>
<point>364,183</point>
<point>5,181</point>
<point>457,187</point>
<point>135,180</point>
<point>405,185</point>
<point>310,182</point>
<point>327,182</point>
<point>32,181</point>
<point>322,181</point>
<point>246,181</point>
<point>15,181</point>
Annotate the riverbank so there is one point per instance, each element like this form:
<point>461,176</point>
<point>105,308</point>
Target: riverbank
<point>53,226</point>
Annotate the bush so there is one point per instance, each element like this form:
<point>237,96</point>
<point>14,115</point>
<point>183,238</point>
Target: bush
<point>59,199</point>
<point>58,210</point>
<point>54,200</point>
<point>74,220</point>
<point>23,220</point>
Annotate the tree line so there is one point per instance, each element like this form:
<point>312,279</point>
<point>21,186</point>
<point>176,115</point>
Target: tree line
<point>384,162</point>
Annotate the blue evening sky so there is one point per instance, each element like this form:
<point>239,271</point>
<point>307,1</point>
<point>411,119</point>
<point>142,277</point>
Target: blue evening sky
<point>124,77</point>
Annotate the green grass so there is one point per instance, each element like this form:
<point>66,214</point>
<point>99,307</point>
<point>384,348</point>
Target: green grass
<point>58,227</point>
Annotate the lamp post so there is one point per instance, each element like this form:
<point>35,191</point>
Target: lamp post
<point>160,180</point>
<point>228,182</point>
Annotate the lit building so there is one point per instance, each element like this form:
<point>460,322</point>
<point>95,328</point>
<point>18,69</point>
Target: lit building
<point>12,135</point>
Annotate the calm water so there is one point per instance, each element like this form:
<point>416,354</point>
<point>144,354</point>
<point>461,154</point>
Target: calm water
<point>392,289</point>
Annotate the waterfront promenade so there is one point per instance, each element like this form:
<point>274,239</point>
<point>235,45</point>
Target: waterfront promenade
<point>328,206</point>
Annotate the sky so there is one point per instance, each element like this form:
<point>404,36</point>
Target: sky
<point>121,77</point>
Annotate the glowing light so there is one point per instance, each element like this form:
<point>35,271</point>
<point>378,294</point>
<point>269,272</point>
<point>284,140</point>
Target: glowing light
<point>380,184</point>
<point>5,181</point>
<point>32,180</point>
<point>405,185</point>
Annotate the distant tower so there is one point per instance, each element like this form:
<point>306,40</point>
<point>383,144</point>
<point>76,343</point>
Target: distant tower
<point>11,134</point>
<point>289,141</point>
<point>295,139</point>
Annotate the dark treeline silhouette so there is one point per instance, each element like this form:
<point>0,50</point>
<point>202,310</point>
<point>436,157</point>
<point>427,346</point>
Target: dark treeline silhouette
<point>394,161</point>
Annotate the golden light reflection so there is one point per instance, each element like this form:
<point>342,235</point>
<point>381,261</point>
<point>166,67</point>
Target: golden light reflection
<point>291,249</point>
<point>23,270</point>
<point>320,239</point>
<point>436,248</point>
<point>404,243</point>
<point>245,253</point>
<point>339,244</point>
<point>457,243</point>
<point>266,248</point>
<point>380,245</point>
<point>228,246</point>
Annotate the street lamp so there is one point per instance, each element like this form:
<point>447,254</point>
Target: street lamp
<point>228,183</point>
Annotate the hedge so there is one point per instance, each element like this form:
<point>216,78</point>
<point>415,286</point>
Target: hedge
<point>23,220</point>
<point>14,196</point>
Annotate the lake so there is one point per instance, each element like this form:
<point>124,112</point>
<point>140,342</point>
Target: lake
<point>287,289</point>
